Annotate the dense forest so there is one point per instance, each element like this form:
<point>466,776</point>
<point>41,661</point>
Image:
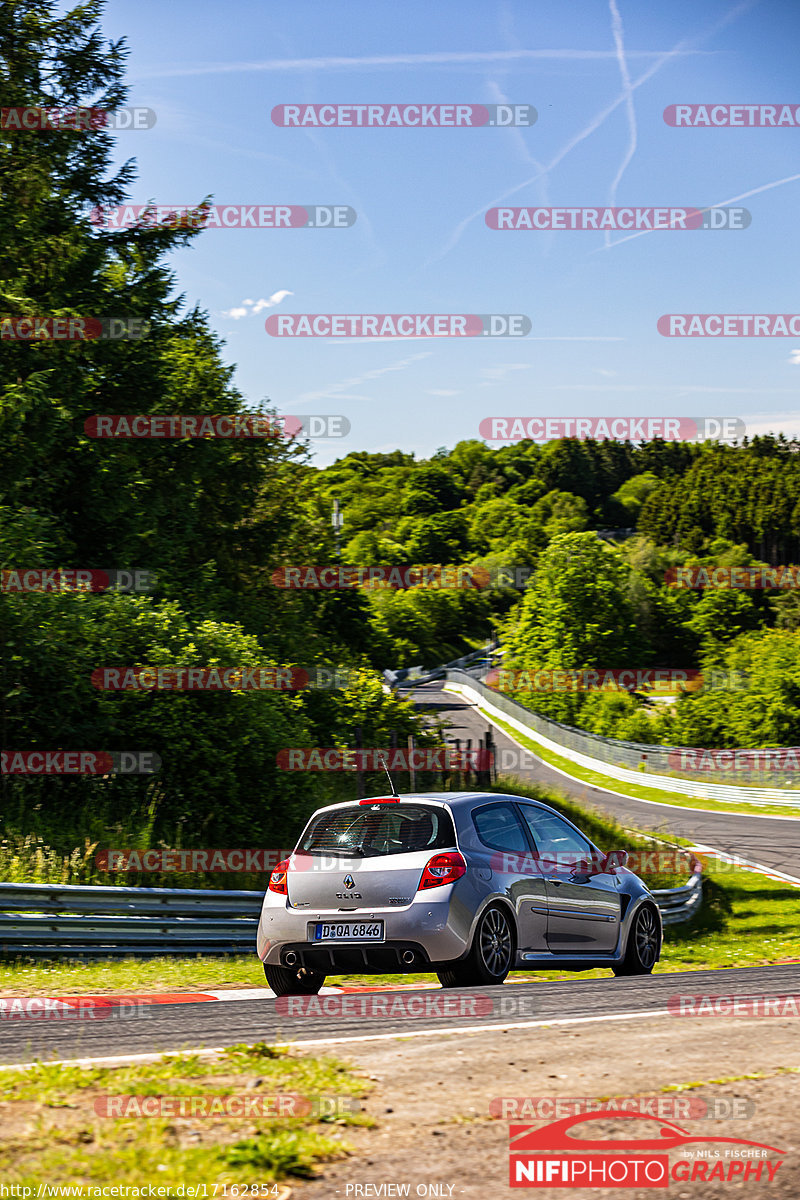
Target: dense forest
<point>593,526</point>
<point>598,528</point>
<point>211,518</point>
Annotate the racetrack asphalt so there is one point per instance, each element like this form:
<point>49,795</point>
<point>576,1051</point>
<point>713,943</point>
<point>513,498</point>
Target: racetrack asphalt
<point>771,841</point>
<point>151,1030</point>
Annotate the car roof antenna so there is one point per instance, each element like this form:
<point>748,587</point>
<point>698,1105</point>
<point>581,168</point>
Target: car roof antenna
<point>388,776</point>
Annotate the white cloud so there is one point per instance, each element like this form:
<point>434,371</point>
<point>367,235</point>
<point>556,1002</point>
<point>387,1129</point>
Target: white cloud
<point>442,392</point>
<point>787,423</point>
<point>339,390</point>
<point>249,308</point>
<point>619,42</point>
<point>377,61</point>
<point>794,358</point>
<point>275,298</point>
<point>675,389</point>
<point>683,47</point>
<point>500,373</point>
<point>766,187</point>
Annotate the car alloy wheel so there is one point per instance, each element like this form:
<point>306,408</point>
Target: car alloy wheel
<point>495,942</point>
<point>644,943</point>
<point>646,933</point>
<point>491,954</point>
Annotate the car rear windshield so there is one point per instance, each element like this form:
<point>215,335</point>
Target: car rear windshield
<point>366,831</point>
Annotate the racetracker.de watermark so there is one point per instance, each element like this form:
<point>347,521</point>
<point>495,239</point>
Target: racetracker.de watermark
<point>35,119</point>
<point>432,758</point>
<point>661,1108</point>
<point>718,116</point>
<point>71,1008</point>
<point>222,679</point>
<point>621,429</point>
<point>195,862</point>
<point>621,219</point>
<point>238,425</point>
<point>79,762</point>
<point>397,325</point>
<point>403,116</point>
<point>773,759</point>
<point>72,329</point>
<point>729,325</point>
<point>662,680</point>
<point>428,1004</point>
<point>247,1104</point>
<point>744,578</point>
<point>648,862</point>
<point>716,1005</point>
<point>77,580</point>
<point>224,216</point>
<point>339,577</point>
<point>199,679</point>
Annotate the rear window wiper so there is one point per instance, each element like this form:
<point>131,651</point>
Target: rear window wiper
<point>339,851</point>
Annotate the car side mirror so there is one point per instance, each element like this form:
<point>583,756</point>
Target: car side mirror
<point>615,858</point>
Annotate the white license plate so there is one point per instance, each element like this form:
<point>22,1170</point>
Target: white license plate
<point>348,931</point>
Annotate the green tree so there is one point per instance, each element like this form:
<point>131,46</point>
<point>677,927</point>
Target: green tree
<point>578,613</point>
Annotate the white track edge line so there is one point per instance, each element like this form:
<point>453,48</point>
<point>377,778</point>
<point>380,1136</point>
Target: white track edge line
<point>759,868</point>
<point>545,1024</point>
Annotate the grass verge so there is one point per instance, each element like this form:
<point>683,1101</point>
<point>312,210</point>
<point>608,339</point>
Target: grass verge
<point>51,1130</point>
<point>746,920</point>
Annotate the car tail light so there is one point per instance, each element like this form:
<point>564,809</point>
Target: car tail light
<point>441,869</point>
<point>381,800</point>
<point>277,880</point>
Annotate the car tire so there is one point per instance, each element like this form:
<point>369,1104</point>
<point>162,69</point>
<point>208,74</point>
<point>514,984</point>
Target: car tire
<point>293,981</point>
<point>644,944</point>
<point>491,955</point>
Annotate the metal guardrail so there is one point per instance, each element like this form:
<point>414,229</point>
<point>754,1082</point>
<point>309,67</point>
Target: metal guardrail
<point>637,763</point>
<point>44,921</point>
<point>680,903</point>
<point>408,678</point>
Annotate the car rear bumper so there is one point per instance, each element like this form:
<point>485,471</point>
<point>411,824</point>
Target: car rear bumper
<point>376,958</point>
<point>426,929</point>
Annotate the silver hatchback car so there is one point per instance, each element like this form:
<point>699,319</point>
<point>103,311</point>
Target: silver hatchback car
<point>468,885</point>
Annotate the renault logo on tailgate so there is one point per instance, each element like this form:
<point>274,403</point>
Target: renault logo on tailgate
<point>349,882</point>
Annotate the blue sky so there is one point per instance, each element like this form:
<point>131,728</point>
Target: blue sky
<point>600,73</point>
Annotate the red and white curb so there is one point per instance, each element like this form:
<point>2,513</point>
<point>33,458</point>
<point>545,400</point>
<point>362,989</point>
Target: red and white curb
<point>17,1005</point>
<point>13,1004</point>
<point>745,864</point>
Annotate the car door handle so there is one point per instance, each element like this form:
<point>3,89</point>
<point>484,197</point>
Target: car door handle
<point>556,882</point>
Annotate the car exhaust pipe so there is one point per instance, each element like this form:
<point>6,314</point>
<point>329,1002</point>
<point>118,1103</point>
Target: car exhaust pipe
<point>290,958</point>
<point>408,957</point>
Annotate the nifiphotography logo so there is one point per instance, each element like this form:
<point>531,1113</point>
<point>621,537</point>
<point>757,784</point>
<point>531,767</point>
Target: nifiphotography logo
<point>554,1156</point>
